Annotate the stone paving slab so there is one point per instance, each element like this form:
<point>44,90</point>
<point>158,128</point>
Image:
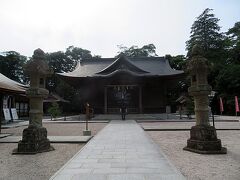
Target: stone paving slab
<point>53,139</point>
<point>120,151</point>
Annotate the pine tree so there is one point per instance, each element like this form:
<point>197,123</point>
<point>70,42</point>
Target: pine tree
<point>205,32</point>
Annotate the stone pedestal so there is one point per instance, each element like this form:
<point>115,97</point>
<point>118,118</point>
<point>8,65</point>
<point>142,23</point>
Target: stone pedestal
<point>34,140</point>
<point>203,140</point>
<point>87,133</point>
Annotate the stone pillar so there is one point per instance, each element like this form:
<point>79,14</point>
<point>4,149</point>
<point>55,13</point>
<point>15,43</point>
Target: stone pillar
<point>34,138</point>
<point>105,100</point>
<point>203,137</point>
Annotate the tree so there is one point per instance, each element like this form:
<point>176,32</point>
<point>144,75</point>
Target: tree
<point>176,62</point>
<point>134,51</point>
<point>64,62</point>
<point>59,62</point>
<point>234,40</point>
<point>228,81</point>
<point>12,65</point>
<point>205,32</point>
<point>76,54</point>
<point>54,110</point>
<point>228,86</point>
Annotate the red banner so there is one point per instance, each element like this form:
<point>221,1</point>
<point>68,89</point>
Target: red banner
<point>221,105</point>
<point>236,104</point>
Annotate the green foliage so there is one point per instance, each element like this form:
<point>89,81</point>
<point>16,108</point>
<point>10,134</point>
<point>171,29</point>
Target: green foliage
<point>64,62</point>
<point>234,41</point>
<point>228,81</point>
<point>134,51</point>
<point>59,62</point>
<point>205,32</point>
<point>177,62</point>
<point>12,65</point>
<point>77,54</point>
<point>54,110</point>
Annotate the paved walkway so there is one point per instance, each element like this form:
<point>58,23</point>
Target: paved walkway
<point>121,151</point>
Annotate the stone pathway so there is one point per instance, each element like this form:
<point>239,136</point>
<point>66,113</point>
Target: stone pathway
<point>121,151</point>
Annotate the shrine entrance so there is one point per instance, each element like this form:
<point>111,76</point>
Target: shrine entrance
<point>116,95</point>
<point>140,83</point>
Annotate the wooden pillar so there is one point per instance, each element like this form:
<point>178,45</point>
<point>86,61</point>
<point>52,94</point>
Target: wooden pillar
<point>105,100</point>
<point>1,112</point>
<point>140,99</point>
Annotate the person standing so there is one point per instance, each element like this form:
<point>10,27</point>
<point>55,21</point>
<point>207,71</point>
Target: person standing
<point>123,110</point>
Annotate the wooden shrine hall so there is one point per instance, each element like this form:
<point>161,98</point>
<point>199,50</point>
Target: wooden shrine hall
<point>140,83</point>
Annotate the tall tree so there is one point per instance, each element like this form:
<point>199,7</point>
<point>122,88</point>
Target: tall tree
<point>134,51</point>
<point>205,32</point>
<point>234,39</point>
<point>12,65</point>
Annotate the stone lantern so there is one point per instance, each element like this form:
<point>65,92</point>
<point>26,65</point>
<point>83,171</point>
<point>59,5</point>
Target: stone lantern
<point>34,138</point>
<point>203,137</point>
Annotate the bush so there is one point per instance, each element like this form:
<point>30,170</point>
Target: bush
<point>54,110</point>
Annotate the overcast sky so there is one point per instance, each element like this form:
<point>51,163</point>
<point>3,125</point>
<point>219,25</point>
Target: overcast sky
<point>101,25</point>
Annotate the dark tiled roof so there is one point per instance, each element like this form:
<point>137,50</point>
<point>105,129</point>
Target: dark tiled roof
<point>104,67</point>
<point>7,84</point>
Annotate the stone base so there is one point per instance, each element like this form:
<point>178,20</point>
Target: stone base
<point>34,141</point>
<point>87,133</point>
<point>203,140</point>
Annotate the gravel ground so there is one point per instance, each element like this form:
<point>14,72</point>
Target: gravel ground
<point>43,165</point>
<point>187,125</point>
<point>60,129</point>
<point>197,166</point>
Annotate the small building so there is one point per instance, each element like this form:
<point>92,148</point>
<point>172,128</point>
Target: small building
<point>140,83</point>
<point>12,95</point>
<point>185,105</point>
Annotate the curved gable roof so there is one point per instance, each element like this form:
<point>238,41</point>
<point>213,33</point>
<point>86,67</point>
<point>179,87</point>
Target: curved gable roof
<point>121,64</point>
<point>143,66</point>
<point>11,85</point>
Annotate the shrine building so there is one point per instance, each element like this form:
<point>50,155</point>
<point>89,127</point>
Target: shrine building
<point>141,83</point>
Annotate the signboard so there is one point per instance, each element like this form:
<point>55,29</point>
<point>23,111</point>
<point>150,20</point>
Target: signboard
<point>14,113</point>
<point>7,115</point>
